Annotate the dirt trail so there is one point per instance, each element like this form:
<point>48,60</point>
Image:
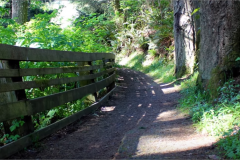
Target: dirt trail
<point>140,121</point>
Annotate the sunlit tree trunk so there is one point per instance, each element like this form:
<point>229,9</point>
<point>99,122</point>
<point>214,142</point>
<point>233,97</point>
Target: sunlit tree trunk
<point>184,35</point>
<point>20,10</point>
<point>116,5</point>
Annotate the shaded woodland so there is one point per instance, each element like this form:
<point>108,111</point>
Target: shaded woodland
<point>168,40</point>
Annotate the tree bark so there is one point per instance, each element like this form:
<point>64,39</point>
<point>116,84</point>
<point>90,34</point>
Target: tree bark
<point>116,5</point>
<point>20,10</point>
<point>184,35</point>
<point>219,46</point>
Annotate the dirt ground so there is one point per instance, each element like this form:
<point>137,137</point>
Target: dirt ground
<point>140,121</point>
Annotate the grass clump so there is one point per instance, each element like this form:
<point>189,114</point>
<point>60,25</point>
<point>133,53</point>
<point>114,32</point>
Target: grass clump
<point>220,117</point>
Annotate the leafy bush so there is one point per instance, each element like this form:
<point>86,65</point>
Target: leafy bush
<point>90,34</point>
<point>143,25</point>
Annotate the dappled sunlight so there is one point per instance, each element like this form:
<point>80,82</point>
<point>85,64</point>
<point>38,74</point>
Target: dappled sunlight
<point>167,115</point>
<point>148,61</point>
<point>153,93</point>
<point>170,90</point>
<point>153,67</point>
<point>165,84</point>
<point>138,117</point>
<point>152,146</point>
<point>108,109</point>
<point>131,60</point>
<point>175,134</point>
<point>124,61</point>
<point>150,105</point>
<point>67,14</point>
<point>162,146</point>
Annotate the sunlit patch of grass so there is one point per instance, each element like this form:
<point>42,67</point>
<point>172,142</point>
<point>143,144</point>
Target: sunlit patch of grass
<point>189,96</point>
<point>164,73</point>
<point>157,67</point>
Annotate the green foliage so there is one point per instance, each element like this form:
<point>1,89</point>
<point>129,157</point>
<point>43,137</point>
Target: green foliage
<point>143,25</point>
<point>220,118</point>
<point>88,34</point>
<point>195,11</point>
<point>16,124</point>
<point>154,67</point>
<point>227,92</point>
<point>230,146</point>
<point>190,94</point>
<point>8,138</point>
<point>238,59</point>
<point>36,4</point>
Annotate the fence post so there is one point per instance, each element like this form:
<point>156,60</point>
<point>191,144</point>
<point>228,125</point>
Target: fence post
<point>90,63</point>
<point>28,126</point>
<point>112,85</point>
<point>86,82</point>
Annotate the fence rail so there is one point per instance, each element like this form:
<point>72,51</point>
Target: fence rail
<point>42,71</point>
<point>28,107</point>
<point>8,52</point>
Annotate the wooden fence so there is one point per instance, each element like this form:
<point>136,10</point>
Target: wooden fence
<point>28,107</point>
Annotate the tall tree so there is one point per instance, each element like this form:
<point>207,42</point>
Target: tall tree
<point>116,5</point>
<point>20,10</point>
<point>220,42</point>
<point>184,35</point>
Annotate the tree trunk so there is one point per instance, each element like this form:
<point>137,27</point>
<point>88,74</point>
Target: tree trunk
<point>20,10</point>
<point>219,46</point>
<point>196,22</point>
<point>184,35</point>
<point>116,6</point>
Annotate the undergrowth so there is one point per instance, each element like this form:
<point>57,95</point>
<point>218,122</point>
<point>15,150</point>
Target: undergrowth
<point>142,27</point>
<point>86,34</point>
<point>158,68</point>
<point>220,117</point>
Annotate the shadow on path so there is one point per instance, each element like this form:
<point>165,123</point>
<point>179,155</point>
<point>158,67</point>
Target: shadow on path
<point>139,121</point>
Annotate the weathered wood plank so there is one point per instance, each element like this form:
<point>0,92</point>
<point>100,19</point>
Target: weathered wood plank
<point>29,107</point>
<point>8,52</point>
<point>23,142</point>
<point>4,73</point>
<point>6,87</point>
<point>48,102</point>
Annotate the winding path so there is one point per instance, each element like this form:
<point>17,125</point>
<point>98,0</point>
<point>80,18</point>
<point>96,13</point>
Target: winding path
<point>140,121</point>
